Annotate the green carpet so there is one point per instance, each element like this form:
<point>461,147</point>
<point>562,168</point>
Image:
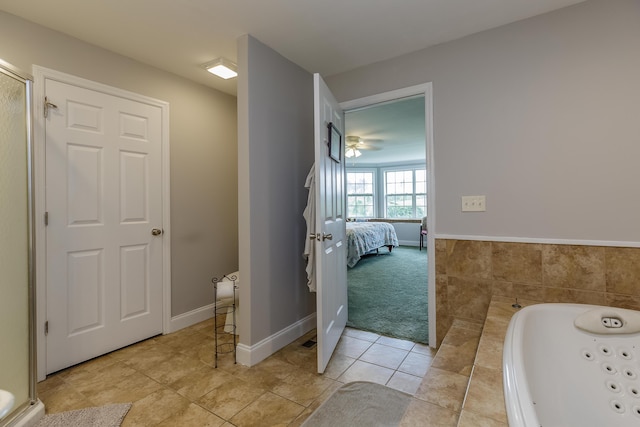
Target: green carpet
<point>388,294</point>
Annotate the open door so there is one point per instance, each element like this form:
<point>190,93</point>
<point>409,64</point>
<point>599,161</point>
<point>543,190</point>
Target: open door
<point>330,235</point>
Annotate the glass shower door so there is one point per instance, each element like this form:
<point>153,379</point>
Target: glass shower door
<point>15,241</point>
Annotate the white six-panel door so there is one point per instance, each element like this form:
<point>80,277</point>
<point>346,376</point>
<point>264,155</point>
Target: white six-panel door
<point>103,199</point>
<point>331,245</point>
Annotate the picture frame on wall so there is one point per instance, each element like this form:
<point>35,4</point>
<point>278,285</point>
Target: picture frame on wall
<point>335,142</point>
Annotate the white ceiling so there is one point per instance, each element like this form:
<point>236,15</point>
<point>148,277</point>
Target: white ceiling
<point>324,36</point>
<point>393,132</point>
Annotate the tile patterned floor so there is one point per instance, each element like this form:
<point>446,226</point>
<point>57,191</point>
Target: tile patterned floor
<point>171,380</point>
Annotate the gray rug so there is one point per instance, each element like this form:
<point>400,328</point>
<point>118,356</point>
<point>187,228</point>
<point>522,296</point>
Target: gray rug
<point>102,416</point>
<point>361,404</point>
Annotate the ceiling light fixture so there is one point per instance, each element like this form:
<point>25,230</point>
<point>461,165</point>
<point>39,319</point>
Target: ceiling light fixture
<point>352,144</point>
<point>352,152</point>
<point>221,67</point>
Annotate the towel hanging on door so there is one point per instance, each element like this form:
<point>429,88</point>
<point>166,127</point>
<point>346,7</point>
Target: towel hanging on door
<point>309,215</point>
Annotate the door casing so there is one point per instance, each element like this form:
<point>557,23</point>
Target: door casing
<point>425,89</point>
<point>40,75</point>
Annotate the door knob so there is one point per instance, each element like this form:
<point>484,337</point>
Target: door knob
<point>156,231</point>
<point>327,236</point>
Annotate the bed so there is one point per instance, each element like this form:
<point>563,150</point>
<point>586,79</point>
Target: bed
<point>364,237</point>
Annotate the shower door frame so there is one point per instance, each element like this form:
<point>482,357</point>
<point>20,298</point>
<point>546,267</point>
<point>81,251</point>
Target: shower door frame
<point>15,73</point>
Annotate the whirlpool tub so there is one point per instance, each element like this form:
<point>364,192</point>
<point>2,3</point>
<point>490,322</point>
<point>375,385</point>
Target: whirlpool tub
<point>570,365</point>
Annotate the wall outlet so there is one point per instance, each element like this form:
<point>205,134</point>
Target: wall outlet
<point>474,204</point>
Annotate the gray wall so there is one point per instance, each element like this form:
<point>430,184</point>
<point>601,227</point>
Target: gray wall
<point>275,143</point>
<point>203,138</point>
<point>541,116</point>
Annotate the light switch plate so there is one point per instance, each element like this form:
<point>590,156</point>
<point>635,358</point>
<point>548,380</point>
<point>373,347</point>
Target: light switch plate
<point>474,204</point>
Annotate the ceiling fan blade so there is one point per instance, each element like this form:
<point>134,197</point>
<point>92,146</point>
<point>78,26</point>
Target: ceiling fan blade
<point>368,148</point>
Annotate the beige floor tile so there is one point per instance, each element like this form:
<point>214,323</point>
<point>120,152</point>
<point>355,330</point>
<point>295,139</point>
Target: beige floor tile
<point>93,365</point>
<point>471,419</point>
<point>268,410</point>
<point>415,364</point>
<point>297,355</point>
<point>338,364</point>
<point>459,337</point>
<point>141,349</point>
<point>443,388</point>
<point>363,371</point>
<point>51,383</point>
<point>303,387</point>
<point>489,353</point>
<point>495,327</point>
<point>404,382</point>
<point>485,396</point>
<point>382,355</point>
<point>172,369</point>
<point>104,377</point>
<point>230,398</point>
<point>420,413</point>
<point>467,324</point>
<point>352,347</point>
<point>396,343</point>
<point>145,356</point>
<point>192,415</point>
<point>155,408</point>
<point>268,373</point>
<point>455,359</point>
<point>171,379</point>
<point>363,335</point>
<point>134,387</point>
<point>227,363</point>
<point>64,398</point>
<point>204,326</point>
<point>424,349</point>
<point>200,382</point>
<point>179,339</point>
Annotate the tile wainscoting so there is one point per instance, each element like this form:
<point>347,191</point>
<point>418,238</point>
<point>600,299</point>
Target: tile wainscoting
<point>469,273</point>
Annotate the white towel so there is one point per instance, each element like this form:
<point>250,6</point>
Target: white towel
<point>309,215</point>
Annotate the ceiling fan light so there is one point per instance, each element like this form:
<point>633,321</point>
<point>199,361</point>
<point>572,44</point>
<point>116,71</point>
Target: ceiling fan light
<point>353,139</point>
<point>352,152</point>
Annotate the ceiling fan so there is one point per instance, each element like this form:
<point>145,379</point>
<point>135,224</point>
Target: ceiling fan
<point>354,144</point>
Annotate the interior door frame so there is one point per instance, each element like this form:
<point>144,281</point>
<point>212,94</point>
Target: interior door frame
<point>40,75</point>
<point>425,89</point>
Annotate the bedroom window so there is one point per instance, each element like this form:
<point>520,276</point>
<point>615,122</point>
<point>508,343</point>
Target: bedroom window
<point>360,196</point>
<point>405,193</point>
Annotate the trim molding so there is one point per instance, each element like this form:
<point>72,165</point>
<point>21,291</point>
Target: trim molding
<point>190,318</point>
<point>409,242</point>
<point>194,316</point>
<point>251,355</point>
<point>425,89</point>
<point>507,239</point>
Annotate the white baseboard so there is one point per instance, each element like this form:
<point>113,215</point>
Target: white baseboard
<point>410,242</point>
<point>251,355</point>
<point>189,318</point>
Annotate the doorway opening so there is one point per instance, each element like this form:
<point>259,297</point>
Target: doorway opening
<point>389,171</point>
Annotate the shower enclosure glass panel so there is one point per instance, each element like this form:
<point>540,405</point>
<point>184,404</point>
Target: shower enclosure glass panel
<point>16,361</point>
